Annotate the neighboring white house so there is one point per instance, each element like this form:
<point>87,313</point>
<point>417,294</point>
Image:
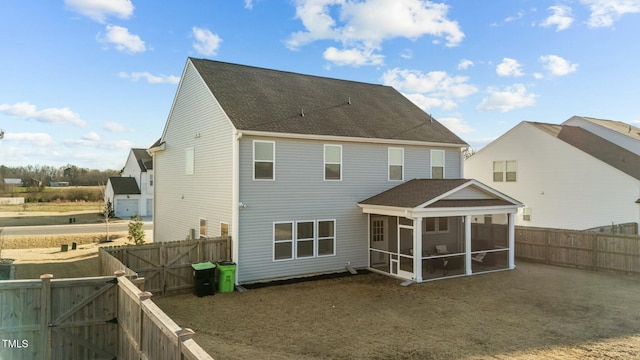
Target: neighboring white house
<point>312,175</point>
<point>617,132</point>
<point>567,176</point>
<point>132,192</point>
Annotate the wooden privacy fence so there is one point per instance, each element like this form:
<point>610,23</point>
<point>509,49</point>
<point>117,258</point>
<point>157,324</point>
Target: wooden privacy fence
<point>88,318</point>
<point>165,266</point>
<point>581,249</point>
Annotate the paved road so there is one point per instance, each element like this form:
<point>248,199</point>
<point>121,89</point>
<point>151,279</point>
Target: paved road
<point>71,229</point>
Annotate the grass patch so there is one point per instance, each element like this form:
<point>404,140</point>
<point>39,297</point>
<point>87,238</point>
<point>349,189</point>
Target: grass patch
<point>54,206</point>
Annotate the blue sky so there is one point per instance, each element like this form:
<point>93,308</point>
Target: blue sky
<point>84,81</point>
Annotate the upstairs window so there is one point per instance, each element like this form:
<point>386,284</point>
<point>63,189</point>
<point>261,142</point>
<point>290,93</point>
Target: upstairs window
<point>189,161</point>
<point>263,160</point>
<point>437,164</point>
<point>150,179</point>
<point>396,163</point>
<point>505,171</point>
<point>203,228</point>
<point>333,162</point>
<point>526,214</point>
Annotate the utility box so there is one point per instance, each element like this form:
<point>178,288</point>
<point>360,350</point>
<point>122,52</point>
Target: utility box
<point>204,276</point>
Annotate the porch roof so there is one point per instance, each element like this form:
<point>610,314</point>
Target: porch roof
<point>431,194</point>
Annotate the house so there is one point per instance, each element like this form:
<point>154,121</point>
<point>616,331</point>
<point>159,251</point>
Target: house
<point>132,192</point>
<point>312,175</point>
<point>579,175</point>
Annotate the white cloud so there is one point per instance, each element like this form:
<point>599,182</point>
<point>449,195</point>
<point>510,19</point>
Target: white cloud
<point>99,10</point>
<point>605,12</point>
<point>513,18</point>
<point>464,64</point>
<point>558,66</point>
<point>24,110</point>
<point>92,136</point>
<point>562,18</point>
<point>113,127</point>
<point>123,40</point>
<point>37,139</point>
<point>407,54</point>
<point>206,43</point>
<point>353,57</point>
<point>509,67</point>
<point>365,25</point>
<point>436,88</point>
<point>506,99</point>
<point>248,4</point>
<point>151,79</point>
<point>457,126</point>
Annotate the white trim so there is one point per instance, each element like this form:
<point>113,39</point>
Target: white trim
<point>324,162</point>
<point>350,139</point>
<point>273,161</point>
<point>482,186</point>
<point>292,240</point>
<point>235,199</point>
<point>189,160</point>
<point>296,240</point>
<point>389,163</point>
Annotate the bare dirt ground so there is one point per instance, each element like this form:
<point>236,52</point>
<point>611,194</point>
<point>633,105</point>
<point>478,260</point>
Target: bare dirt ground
<point>533,312</point>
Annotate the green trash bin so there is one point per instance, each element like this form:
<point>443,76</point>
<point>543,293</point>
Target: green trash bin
<point>226,276</point>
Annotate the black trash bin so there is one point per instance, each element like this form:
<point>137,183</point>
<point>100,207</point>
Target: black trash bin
<point>204,276</point>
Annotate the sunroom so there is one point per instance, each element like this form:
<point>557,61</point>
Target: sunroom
<point>429,229</point>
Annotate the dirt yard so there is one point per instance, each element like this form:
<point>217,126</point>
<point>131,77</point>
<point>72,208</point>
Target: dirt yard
<point>533,312</point>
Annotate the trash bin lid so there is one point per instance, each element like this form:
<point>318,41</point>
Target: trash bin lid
<point>203,266</point>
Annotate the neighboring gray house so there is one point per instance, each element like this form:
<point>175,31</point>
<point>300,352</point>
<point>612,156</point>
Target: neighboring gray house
<point>580,175</point>
<point>310,175</point>
<point>132,192</point>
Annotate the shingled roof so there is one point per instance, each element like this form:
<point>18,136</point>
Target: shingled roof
<point>145,161</point>
<point>596,146</point>
<point>124,185</point>
<point>275,101</point>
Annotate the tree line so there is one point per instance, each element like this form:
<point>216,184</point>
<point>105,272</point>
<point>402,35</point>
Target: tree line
<point>43,175</point>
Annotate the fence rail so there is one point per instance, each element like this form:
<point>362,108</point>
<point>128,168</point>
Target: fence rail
<point>166,266</point>
<point>581,249</point>
<point>88,318</point>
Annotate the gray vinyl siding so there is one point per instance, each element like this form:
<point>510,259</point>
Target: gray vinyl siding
<point>196,121</point>
<point>300,193</point>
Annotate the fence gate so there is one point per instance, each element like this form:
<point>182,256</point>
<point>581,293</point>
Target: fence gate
<point>83,318</point>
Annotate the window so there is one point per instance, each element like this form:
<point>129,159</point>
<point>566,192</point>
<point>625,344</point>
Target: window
<point>150,179</point>
<point>305,239</point>
<point>436,225</point>
<point>505,171</point>
<point>396,163</point>
<point>224,229</point>
<point>189,161</point>
<point>333,162</point>
<point>263,160</point>
<point>283,241</point>
<point>437,164</point>
<point>326,237</point>
<point>203,227</point>
<point>526,214</point>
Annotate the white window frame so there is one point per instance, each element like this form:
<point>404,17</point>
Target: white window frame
<point>200,234</point>
<point>151,180</point>
<point>526,214</point>
<point>189,161</point>
<point>273,161</point>
<point>312,239</point>
<point>292,240</point>
<point>389,164</point>
<point>504,171</point>
<point>331,163</point>
<point>443,163</point>
<point>224,223</point>
<point>325,238</point>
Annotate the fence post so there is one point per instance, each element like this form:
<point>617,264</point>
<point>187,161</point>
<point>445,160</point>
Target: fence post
<point>184,334</point>
<point>45,315</point>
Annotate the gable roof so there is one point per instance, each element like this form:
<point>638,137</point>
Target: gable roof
<point>124,185</point>
<point>265,100</point>
<point>432,193</point>
<point>145,161</point>
<point>596,146</point>
<point>617,126</point>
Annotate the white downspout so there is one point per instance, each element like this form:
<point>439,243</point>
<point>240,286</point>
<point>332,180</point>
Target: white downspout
<point>467,244</point>
<point>235,196</point>
<point>417,246</point>
<point>512,241</point>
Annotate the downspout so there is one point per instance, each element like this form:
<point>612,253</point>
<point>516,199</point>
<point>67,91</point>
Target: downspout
<point>235,196</point>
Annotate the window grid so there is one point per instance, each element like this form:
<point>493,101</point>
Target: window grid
<point>303,239</point>
<point>332,162</point>
<point>264,159</point>
<point>437,164</point>
<point>396,164</point>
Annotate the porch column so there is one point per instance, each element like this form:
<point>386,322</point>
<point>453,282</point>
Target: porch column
<point>417,246</point>
<point>512,241</point>
<point>467,244</point>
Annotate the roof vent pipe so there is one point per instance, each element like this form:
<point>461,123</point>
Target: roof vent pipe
<point>302,112</point>
<point>349,100</point>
